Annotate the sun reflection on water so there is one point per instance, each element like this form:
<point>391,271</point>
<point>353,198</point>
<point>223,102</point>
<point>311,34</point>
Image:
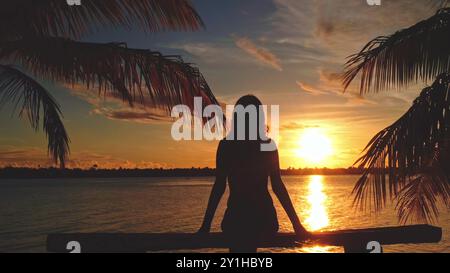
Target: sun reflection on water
<point>317,213</point>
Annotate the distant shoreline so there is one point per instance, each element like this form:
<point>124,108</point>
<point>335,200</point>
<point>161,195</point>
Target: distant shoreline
<point>117,173</point>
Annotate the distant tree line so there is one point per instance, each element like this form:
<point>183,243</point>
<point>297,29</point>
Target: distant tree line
<point>12,172</point>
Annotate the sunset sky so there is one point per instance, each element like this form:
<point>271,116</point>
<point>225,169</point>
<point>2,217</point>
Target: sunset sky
<point>286,52</point>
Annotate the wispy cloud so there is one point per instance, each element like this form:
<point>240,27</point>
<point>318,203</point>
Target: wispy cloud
<point>310,89</point>
<point>329,85</point>
<point>113,107</point>
<point>145,116</point>
<point>294,126</point>
<point>260,53</point>
<point>210,53</point>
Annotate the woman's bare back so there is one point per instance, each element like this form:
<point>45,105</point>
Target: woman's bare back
<point>250,207</point>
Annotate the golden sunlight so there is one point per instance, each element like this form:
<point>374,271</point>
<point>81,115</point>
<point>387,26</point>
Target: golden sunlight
<point>314,146</point>
<point>317,215</point>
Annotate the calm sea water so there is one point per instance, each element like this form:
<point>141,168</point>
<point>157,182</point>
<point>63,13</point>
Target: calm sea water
<point>30,209</point>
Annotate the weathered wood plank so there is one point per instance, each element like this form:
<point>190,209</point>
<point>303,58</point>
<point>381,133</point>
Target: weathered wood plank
<point>351,239</point>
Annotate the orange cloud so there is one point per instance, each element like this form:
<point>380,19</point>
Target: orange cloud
<point>260,53</point>
<point>310,89</point>
<point>294,126</point>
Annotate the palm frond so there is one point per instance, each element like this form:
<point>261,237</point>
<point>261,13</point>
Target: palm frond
<point>32,100</point>
<point>419,52</point>
<point>412,154</point>
<point>418,200</point>
<point>134,74</point>
<point>21,18</point>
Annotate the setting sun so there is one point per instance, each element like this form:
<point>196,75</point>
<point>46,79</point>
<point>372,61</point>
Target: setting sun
<point>314,146</point>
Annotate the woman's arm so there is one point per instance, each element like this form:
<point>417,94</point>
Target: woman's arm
<point>216,192</point>
<point>214,199</point>
<point>282,194</point>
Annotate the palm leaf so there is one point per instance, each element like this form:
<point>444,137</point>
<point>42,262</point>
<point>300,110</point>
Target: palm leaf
<point>22,18</point>
<point>33,100</point>
<point>413,154</point>
<point>133,74</point>
<point>419,52</point>
<point>419,199</point>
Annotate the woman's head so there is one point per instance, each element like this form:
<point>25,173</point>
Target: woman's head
<point>248,122</point>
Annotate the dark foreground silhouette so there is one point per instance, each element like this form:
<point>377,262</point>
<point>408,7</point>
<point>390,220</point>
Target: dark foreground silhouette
<point>354,240</point>
<point>250,214</point>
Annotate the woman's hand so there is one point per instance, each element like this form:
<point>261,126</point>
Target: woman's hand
<point>204,229</point>
<point>301,233</point>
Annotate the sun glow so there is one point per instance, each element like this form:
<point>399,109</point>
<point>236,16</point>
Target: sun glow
<point>314,146</point>
<point>317,215</point>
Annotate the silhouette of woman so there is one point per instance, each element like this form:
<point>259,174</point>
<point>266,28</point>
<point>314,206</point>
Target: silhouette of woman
<point>250,215</point>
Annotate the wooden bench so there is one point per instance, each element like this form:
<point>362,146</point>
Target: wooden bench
<point>355,240</point>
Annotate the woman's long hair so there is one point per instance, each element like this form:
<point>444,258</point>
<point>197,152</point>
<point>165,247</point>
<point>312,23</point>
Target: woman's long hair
<point>248,122</point>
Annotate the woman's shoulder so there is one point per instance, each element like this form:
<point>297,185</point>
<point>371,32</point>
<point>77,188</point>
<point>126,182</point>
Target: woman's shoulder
<point>267,145</point>
<point>224,141</point>
<point>223,144</point>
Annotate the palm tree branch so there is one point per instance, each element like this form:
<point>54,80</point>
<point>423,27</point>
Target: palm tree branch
<point>57,18</point>
<point>421,51</point>
<point>135,75</point>
<point>413,146</point>
<point>419,199</point>
<point>33,100</point>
